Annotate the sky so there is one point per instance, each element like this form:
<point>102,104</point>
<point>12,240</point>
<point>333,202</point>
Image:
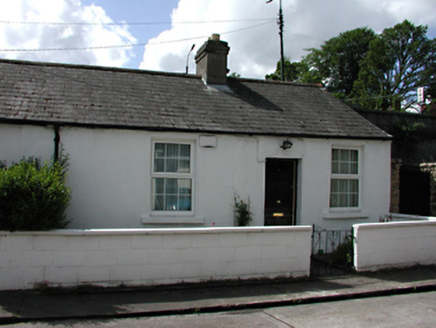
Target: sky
<point>158,34</point>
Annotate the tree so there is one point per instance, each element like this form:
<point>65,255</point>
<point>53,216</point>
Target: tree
<point>293,71</point>
<point>399,60</point>
<point>235,75</point>
<point>337,62</point>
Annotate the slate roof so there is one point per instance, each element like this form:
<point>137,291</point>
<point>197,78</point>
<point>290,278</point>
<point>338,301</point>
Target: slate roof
<point>45,93</point>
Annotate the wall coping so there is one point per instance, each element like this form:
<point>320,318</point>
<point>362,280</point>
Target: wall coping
<point>163,231</point>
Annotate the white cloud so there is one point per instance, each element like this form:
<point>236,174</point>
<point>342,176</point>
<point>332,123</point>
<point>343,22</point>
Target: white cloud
<point>255,52</point>
<point>45,36</point>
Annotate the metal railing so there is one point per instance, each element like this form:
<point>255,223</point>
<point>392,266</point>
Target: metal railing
<point>326,241</point>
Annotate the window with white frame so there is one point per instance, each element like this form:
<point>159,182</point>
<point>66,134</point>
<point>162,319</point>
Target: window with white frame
<point>344,186</point>
<point>172,177</point>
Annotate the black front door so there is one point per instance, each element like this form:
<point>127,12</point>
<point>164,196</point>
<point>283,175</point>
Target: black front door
<point>280,191</point>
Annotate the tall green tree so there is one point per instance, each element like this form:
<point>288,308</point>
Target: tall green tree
<point>399,60</point>
<point>337,62</point>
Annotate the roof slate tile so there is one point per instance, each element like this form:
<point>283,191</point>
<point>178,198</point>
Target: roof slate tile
<point>44,93</point>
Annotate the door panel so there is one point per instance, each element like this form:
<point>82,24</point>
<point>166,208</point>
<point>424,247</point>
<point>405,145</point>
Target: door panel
<point>280,191</point>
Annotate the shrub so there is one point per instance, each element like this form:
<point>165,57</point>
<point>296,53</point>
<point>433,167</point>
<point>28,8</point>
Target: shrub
<point>344,252</point>
<point>33,196</point>
<point>242,212</point>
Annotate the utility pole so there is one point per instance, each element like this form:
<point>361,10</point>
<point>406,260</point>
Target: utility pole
<point>281,22</point>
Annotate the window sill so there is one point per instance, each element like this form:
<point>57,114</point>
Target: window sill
<point>346,214</point>
<point>147,219</point>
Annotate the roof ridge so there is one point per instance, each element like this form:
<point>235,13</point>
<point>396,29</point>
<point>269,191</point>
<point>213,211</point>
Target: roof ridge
<point>96,67</point>
<point>298,84</point>
<point>142,71</point>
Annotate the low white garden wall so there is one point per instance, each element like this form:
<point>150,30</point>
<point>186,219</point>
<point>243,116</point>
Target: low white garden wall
<point>394,245</point>
<point>152,256</point>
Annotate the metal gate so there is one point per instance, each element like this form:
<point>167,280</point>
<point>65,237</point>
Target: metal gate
<point>332,252</point>
<point>414,191</point>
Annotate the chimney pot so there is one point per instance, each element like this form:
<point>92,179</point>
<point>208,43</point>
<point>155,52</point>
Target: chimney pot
<point>215,37</point>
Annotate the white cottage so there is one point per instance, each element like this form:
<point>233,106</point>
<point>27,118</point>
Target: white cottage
<point>153,149</point>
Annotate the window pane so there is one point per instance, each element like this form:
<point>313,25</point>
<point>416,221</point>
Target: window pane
<point>334,200</point>
<point>343,185</point>
<point>172,150</point>
<point>344,168</point>
<point>334,185</point>
<point>335,167</point>
<point>171,165</point>
<point>159,165</point>
<point>159,150</point>
<point>344,161</point>
<point>343,200</point>
<point>159,186</point>
<point>185,151</point>
<point>354,185</point>
<point>353,200</point>
<point>171,203</point>
<point>344,155</point>
<point>158,203</point>
<point>170,186</point>
<point>353,168</point>
<point>172,158</point>
<point>185,203</point>
<point>172,194</point>
<point>344,193</point>
<point>183,166</point>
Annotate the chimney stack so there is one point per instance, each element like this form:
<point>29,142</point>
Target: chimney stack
<point>211,60</point>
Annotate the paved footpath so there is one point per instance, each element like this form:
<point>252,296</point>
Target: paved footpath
<point>92,303</point>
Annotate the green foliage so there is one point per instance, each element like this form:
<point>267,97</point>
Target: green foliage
<point>399,60</point>
<point>33,195</point>
<point>407,131</point>
<point>343,254</point>
<point>235,75</point>
<point>369,70</point>
<point>243,215</point>
<point>337,62</point>
<point>294,72</point>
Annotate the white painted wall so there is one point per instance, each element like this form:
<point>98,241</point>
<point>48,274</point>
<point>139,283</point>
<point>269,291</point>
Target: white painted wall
<point>152,257</point>
<point>394,245</point>
<point>110,175</point>
<point>18,141</point>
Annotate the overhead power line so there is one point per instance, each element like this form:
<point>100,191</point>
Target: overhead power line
<point>131,45</point>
